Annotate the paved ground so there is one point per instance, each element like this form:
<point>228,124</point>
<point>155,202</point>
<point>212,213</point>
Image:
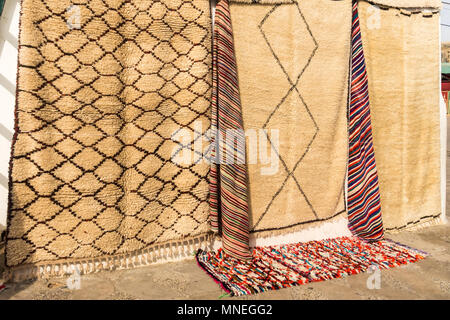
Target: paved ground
<point>427,279</point>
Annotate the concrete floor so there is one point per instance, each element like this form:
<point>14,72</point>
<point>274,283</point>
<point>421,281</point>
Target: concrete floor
<point>427,279</point>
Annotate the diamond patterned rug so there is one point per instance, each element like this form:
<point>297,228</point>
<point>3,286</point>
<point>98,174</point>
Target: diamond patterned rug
<point>296,107</point>
<point>103,85</point>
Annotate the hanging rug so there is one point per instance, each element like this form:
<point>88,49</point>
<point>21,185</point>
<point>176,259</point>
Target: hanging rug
<point>106,106</point>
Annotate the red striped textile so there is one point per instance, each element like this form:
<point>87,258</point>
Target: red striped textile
<point>228,182</point>
<point>364,209</point>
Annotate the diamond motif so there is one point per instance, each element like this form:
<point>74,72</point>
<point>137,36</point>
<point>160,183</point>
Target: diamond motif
<point>293,76</point>
<point>66,196</point>
<point>87,208</point>
<point>109,171</point>
<point>91,169</point>
<point>47,158</point>
<point>67,84</point>
<point>88,159</point>
<point>42,209</point>
<point>68,172</point>
<point>87,232</point>
<point>45,184</point>
<point>41,235</point>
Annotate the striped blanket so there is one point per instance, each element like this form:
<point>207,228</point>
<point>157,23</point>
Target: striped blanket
<point>364,208</point>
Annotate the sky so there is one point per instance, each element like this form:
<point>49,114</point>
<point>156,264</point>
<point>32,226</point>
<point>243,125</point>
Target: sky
<point>445,21</point>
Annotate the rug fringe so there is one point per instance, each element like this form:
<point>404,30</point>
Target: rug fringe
<point>426,10</point>
<point>156,254</point>
<point>319,230</point>
<point>404,246</point>
<point>204,268</point>
<point>419,225</point>
<point>263,1</point>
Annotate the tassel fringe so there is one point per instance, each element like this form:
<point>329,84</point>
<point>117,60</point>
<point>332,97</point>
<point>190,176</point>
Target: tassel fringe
<point>407,11</point>
<point>421,224</point>
<point>160,253</point>
<point>334,228</point>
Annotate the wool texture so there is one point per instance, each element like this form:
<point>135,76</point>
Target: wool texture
<point>403,82</point>
<point>103,88</point>
<point>294,109</point>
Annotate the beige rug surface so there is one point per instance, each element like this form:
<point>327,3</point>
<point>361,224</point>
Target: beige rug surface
<point>102,88</point>
<point>297,174</point>
<point>401,50</point>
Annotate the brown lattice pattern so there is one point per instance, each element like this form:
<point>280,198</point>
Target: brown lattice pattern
<point>97,106</point>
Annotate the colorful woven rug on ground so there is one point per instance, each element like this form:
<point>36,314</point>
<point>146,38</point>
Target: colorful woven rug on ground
<point>277,267</point>
<point>404,81</point>
<point>103,86</point>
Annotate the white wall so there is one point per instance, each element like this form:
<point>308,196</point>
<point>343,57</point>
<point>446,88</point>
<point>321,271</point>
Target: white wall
<point>9,28</point>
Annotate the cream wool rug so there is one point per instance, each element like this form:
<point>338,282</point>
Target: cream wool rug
<point>281,50</point>
<point>102,87</point>
<point>401,47</point>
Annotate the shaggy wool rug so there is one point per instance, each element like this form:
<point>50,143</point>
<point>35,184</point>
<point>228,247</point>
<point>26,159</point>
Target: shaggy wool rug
<point>103,88</point>
<point>294,110</point>
<point>401,42</point>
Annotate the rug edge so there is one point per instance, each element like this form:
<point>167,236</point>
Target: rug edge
<point>415,7</point>
<point>420,224</point>
<point>299,227</point>
<point>170,251</point>
<point>14,137</point>
<point>203,267</point>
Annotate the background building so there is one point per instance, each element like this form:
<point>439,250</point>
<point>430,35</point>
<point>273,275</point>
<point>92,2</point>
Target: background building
<point>445,31</point>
